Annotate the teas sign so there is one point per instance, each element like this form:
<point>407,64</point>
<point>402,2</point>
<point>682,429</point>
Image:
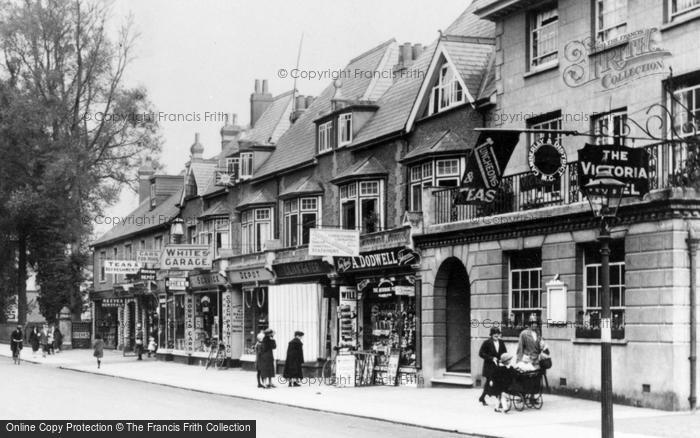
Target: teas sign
<point>186,257</point>
<point>121,266</point>
<point>628,165</point>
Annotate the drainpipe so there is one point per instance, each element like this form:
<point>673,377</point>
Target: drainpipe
<point>693,242</point>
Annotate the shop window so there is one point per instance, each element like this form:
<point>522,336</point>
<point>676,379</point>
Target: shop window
<point>255,316</point>
<point>525,288</point>
<point>207,321</point>
<point>612,127</point>
<point>611,19</point>
<point>345,129</point>
<point>300,215</point>
<point>680,7</point>
<point>536,193</point>
<point>590,326</point>
<point>447,92</point>
<point>107,320</point>
<point>179,322</point>
<point>256,229</point>
<point>246,164</point>
<point>103,257</point>
<point>544,37</point>
<point>325,131</point>
<point>360,203</point>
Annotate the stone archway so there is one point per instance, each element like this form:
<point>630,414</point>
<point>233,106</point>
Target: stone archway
<point>452,282</point>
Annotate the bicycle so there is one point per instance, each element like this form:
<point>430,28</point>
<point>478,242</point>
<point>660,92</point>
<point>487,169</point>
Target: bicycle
<point>217,355</point>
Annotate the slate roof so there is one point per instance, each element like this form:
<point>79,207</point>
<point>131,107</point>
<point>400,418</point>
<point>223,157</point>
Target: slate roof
<point>218,209</point>
<point>142,219</point>
<point>488,84</point>
<point>298,144</point>
<point>468,24</point>
<point>203,172</point>
<point>366,168</point>
<point>273,122</point>
<point>471,61</point>
<point>441,143</point>
<point>256,197</point>
<point>304,185</point>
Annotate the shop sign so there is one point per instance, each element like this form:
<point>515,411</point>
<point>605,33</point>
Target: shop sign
<point>150,257</point>
<point>334,242</point>
<point>186,257</point>
<point>347,317</point>
<point>189,322</point>
<point>625,164</point>
<point>345,370</point>
<point>147,274</point>
<point>389,258</point>
<point>301,269</point>
<point>206,280</point>
<point>179,283</point>
<point>409,291</point>
<point>547,160</point>
<point>111,302</point>
<point>121,266</point>
<point>249,275</point>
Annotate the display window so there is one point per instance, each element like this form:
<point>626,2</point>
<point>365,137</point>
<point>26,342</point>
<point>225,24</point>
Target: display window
<point>255,316</point>
<point>206,319</point>
<point>179,321</point>
<point>107,323</point>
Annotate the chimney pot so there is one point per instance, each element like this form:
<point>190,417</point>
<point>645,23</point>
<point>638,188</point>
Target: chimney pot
<point>264,86</point>
<point>300,103</point>
<point>417,50</point>
<point>257,86</point>
<point>234,118</point>
<point>309,101</point>
<point>406,51</point>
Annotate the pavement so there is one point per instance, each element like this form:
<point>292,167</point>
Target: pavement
<point>444,409</point>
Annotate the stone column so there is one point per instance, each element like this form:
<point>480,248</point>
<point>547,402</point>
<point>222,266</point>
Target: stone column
<point>65,326</point>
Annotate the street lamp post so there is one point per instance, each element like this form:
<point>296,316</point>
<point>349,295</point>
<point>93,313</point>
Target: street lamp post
<point>604,195</point>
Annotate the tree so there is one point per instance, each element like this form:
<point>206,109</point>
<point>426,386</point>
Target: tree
<point>78,134</point>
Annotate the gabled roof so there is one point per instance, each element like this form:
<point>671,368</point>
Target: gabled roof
<point>304,186</point>
<point>488,85</point>
<point>141,220</point>
<point>273,122</point>
<point>471,61</point>
<point>203,172</point>
<point>298,145</point>
<point>367,168</point>
<point>439,143</point>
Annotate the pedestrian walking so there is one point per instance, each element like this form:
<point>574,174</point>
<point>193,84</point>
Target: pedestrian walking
<point>139,341</point>
<point>295,359</point>
<point>16,344</point>
<point>44,340</point>
<point>34,340</point>
<point>98,349</point>
<point>57,340</point>
<point>258,361</point>
<point>529,347</point>
<point>152,347</point>
<point>50,339</point>
<point>267,359</point>
<point>491,349</point>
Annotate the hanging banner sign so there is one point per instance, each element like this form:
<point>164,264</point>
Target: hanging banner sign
<point>121,266</point>
<point>179,283</point>
<point>186,257</point>
<point>625,164</point>
<point>485,166</point>
<point>147,274</point>
<point>547,160</point>
<point>334,242</point>
<point>388,258</point>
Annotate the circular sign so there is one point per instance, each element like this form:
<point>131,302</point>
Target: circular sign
<point>547,160</point>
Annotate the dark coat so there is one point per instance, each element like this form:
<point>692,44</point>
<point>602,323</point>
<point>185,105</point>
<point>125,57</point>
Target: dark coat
<point>488,353</point>
<point>295,359</point>
<point>258,352</point>
<point>58,338</point>
<point>267,360</point>
<point>98,348</point>
<point>34,340</point>
<point>16,338</point>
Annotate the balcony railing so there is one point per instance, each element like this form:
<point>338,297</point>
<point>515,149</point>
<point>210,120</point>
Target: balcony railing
<point>669,166</point>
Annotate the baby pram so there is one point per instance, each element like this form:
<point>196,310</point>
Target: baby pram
<point>522,389</point>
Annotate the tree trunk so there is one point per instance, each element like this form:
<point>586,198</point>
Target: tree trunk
<point>22,279</point>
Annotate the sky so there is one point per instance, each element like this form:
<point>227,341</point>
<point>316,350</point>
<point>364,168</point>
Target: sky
<point>199,59</point>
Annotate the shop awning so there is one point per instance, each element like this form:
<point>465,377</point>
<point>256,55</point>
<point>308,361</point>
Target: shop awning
<point>102,294</point>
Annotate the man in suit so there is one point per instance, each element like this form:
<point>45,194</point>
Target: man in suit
<point>490,351</point>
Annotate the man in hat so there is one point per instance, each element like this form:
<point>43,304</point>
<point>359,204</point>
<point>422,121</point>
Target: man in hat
<point>295,359</point>
<point>490,351</point>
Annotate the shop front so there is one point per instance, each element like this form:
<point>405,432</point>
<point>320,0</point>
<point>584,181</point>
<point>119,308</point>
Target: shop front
<point>297,303</point>
<point>378,313</point>
<point>106,317</point>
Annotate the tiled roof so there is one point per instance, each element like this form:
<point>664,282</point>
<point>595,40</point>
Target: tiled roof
<point>488,84</point>
<point>469,24</point>
<point>273,122</point>
<point>471,61</point>
<point>298,144</point>
<point>440,143</point>
<point>304,185</point>
<point>142,219</point>
<point>255,197</point>
<point>364,169</point>
<point>218,209</point>
<point>203,172</point>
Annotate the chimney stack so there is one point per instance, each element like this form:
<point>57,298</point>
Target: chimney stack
<point>196,150</point>
<point>309,101</point>
<point>230,131</point>
<point>259,101</point>
<point>145,173</point>
<point>417,50</point>
<point>407,53</point>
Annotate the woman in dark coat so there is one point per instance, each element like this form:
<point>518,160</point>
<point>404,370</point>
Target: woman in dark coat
<point>267,360</point>
<point>295,359</point>
<point>34,340</point>
<point>490,351</point>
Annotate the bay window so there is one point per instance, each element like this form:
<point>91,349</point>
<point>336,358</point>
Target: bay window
<point>344,129</point>
<point>447,173</point>
<point>544,37</point>
<point>233,167</point>
<point>256,229</point>
<point>361,206</point>
<point>300,215</point>
<point>447,92</point>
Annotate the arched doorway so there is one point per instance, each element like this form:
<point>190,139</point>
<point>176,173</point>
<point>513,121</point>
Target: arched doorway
<point>452,282</point>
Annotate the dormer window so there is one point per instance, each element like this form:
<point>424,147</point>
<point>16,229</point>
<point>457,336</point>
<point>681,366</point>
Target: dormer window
<point>324,137</point>
<point>447,92</point>
<point>344,129</point>
<point>232,167</point>
<point>246,165</point>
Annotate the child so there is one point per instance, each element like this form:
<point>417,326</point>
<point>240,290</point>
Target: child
<point>151,346</point>
<point>98,349</point>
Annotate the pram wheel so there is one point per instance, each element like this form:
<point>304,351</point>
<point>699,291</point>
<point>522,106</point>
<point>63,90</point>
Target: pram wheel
<point>518,401</point>
<point>537,401</point>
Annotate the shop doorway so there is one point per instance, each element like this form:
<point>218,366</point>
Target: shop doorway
<point>131,324</point>
<point>452,282</point>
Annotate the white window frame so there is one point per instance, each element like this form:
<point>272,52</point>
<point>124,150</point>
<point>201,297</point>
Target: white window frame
<point>158,242</point>
<point>246,165</point>
<point>222,233</point>
<point>357,191</point>
<point>192,234</point>
<point>681,114</point>
<point>602,122</point>
<point>233,167</point>
<point>529,290</point>
<point>686,5</point>
<point>620,284</point>
<point>448,91</point>
<point>606,32</point>
<point>442,178</point>
<point>299,207</point>
<point>344,129</point>
<point>325,131</point>
<point>252,227</point>
<point>540,24</point>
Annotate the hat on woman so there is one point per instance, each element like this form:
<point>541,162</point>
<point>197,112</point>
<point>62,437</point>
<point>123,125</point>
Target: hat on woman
<point>298,333</point>
<point>494,330</point>
<point>268,331</point>
<point>506,357</point>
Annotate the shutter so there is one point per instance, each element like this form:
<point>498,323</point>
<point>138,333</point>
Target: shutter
<point>295,307</point>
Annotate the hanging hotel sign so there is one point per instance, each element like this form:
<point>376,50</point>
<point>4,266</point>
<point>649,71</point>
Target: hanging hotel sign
<point>485,166</point>
<point>389,258</point>
<point>186,257</point>
<point>625,164</point>
<point>249,275</point>
<point>334,242</point>
<point>121,266</point>
<point>148,257</point>
<point>547,160</point>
